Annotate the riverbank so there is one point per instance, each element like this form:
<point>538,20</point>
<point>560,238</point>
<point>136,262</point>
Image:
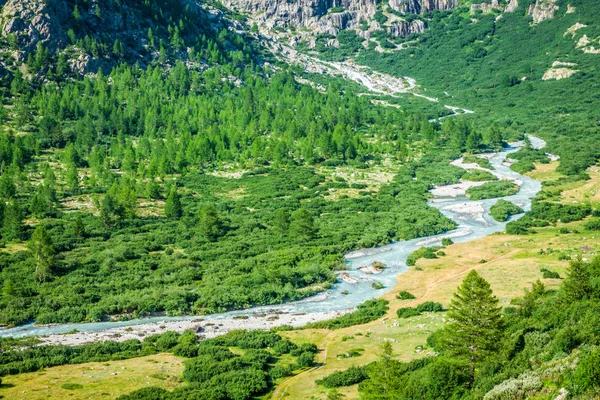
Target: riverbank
<point>205,327</point>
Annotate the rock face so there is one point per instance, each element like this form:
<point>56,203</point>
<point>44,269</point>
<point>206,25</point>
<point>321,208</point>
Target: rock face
<point>404,28</point>
<point>330,16</point>
<point>542,10</point>
<point>25,23</point>
<point>422,6</point>
<point>33,21</point>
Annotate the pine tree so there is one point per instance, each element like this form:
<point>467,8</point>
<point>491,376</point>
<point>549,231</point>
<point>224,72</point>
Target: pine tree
<point>577,285</point>
<point>107,208</point>
<point>209,222</point>
<point>302,226</point>
<point>282,221</point>
<point>13,221</point>
<point>476,327</point>
<point>473,142</point>
<point>73,178</point>
<point>7,186</point>
<point>43,252</point>
<point>384,382</point>
<point>9,290</point>
<point>79,228</point>
<point>173,208</point>
<point>76,13</point>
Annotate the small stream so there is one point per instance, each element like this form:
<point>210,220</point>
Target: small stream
<point>473,221</point>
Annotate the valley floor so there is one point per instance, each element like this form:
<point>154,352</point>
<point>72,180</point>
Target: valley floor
<point>510,263</point>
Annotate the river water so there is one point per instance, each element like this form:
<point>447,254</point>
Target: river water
<point>473,221</point>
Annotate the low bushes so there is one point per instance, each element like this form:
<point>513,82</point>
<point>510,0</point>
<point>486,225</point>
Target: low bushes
<point>369,311</point>
<point>428,306</point>
<point>503,210</point>
<point>492,189</point>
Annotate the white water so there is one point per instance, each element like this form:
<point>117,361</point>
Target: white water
<point>472,225</point>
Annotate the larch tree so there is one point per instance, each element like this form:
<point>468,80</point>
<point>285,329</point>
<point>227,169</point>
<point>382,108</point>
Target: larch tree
<point>43,252</point>
<point>302,226</point>
<point>476,326</point>
<point>173,207</point>
<point>210,223</point>
<point>577,286</point>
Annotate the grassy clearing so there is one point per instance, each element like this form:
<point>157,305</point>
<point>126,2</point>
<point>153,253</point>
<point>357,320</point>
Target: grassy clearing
<point>90,381</point>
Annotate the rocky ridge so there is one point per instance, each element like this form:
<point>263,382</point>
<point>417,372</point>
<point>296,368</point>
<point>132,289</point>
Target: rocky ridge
<point>26,23</point>
<point>331,16</point>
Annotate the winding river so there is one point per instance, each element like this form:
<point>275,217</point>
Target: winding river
<point>473,221</point>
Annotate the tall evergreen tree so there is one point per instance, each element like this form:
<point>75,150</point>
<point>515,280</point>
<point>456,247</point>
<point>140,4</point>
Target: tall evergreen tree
<point>302,226</point>
<point>43,252</point>
<point>384,383</point>
<point>282,221</point>
<point>13,221</point>
<point>476,326</point>
<point>73,178</point>
<point>209,223</point>
<point>173,208</point>
<point>577,285</point>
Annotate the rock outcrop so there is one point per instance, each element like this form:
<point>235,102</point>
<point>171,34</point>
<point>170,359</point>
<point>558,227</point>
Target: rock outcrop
<point>33,21</point>
<point>26,23</point>
<point>331,16</point>
<point>542,10</point>
<point>404,28</point>
<point>422,6</point>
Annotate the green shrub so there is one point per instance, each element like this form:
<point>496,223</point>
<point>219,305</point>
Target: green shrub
<point>349,377</point>
<point>547,274</point>
<point>491,190</point>
<point>407,312</point>
<point>478,175</point>
<point>587,374</point>
<point>502,210</point>
<point>71,386</point>
<point>306,359</point>
<point>369,311</point>
<point>424,252</point>
<point>447,242</point>
<point>404,295</point>
<point>592,225</point>
<point>430,306</point>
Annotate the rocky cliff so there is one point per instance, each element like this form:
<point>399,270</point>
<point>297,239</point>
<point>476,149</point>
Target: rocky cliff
<point>104,33</point>
<point>330,16</point>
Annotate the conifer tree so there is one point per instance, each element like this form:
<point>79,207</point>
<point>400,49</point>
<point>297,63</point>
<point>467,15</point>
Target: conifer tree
<point>13,221</point>
<point>43,252</point>
<point>79,228</point>
<point>476,326</point>
<point>282,221</point>
<point>577,285</point>
<point>210,224</point>
<point>73,178</point>
<point>384,382</point>
<point>302,226</point>
<point>173,208</point>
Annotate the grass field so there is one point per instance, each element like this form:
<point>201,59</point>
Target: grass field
<point>92,381</point>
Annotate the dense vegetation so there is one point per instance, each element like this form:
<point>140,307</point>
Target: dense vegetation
<point>368,311</point>
<point>494,66</point>
<point>503,210</point>
<point>492,190</point>
<point>134,209</point>
<point>212,370</point>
